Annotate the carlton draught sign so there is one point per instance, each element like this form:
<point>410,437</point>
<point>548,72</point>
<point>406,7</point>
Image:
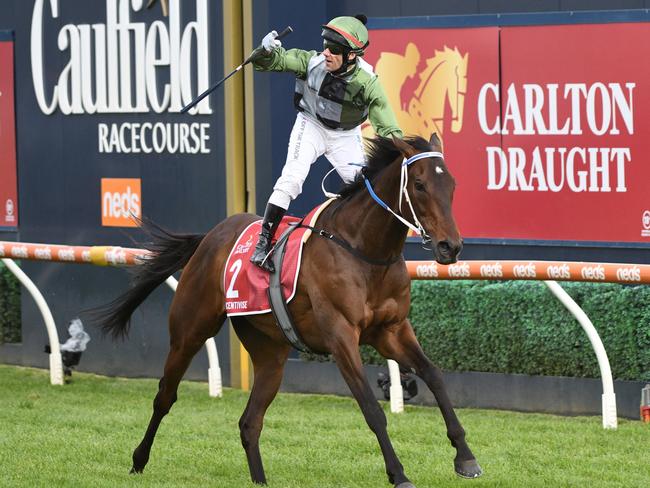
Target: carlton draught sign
<point>545,128</point>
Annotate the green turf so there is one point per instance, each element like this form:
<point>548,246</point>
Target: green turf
<point>82,434</point>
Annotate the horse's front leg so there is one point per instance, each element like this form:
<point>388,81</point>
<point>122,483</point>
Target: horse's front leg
<point>399,343</point>
<point>345,350</point>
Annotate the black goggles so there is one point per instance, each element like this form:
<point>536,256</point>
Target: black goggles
<point>334,47</point>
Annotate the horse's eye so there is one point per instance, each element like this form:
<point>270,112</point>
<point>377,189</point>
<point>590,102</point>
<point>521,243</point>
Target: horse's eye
<point>419,186</point>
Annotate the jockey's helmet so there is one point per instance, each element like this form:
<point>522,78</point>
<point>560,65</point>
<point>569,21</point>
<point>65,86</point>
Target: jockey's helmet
<point>348,32</point>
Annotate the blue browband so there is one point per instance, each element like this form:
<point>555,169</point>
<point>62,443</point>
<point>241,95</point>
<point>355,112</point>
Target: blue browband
<point>428,154</point>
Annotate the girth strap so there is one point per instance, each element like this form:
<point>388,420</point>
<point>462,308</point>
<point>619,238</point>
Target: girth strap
<point>276,297</point>
<point>278,303</point>
<point>352,250</point>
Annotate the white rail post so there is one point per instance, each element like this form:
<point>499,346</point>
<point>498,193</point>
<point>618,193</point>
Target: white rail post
<point>396,392</point>
<point>56,365</point>
<point>608,398</point>
<point>214,371</point>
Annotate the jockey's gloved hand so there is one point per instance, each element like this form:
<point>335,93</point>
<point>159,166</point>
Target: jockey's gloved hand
<point>269,43</point>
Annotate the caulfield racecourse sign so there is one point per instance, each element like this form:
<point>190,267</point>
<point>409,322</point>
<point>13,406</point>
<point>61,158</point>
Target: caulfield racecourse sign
<point>117,66</point>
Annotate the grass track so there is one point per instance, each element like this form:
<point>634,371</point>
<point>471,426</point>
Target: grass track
<point>83,435</point>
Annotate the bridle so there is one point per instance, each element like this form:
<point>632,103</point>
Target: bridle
<point>416,226</point>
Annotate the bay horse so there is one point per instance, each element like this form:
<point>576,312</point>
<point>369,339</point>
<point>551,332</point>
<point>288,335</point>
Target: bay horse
<point>346,296</point>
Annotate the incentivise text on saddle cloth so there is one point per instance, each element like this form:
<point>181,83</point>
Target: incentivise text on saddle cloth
<point>336,91</point>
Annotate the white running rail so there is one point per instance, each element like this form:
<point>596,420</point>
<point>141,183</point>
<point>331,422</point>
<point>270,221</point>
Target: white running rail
<point>610,420</point>
<point>608,398</point>
<point>396,392</point>
<point>56,364</point>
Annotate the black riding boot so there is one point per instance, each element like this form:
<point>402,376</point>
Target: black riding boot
<point>272,217</point>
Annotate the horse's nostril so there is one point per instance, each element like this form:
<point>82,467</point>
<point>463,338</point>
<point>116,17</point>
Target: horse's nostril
<point>444,248</point>
<point>447,249</point>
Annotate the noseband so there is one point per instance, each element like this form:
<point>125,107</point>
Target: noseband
<point>426,239</point>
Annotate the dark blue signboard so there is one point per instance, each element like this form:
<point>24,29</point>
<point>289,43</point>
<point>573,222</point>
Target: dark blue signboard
<point>99,87</point>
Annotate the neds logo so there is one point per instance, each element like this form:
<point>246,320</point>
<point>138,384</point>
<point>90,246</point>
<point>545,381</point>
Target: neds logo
<point>427,270</point>
<point>559,272</point>
<point>525,270</point>
<point>121,201</point>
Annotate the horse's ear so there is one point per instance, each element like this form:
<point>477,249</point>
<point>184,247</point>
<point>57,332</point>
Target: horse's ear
<point>404,147</point>
<point>435,142</point>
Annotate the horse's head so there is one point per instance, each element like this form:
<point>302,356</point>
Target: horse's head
<point>430,187</point>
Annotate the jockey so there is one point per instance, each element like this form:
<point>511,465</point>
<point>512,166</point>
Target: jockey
<point>335,92</point>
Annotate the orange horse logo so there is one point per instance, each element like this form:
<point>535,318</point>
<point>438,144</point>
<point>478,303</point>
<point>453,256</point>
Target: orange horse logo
<point>436,102</point>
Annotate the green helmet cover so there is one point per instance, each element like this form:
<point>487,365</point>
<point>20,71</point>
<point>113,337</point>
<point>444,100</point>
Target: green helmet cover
<point>348,31</point>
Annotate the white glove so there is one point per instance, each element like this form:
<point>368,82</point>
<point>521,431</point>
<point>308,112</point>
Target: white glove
<point>269,43</point>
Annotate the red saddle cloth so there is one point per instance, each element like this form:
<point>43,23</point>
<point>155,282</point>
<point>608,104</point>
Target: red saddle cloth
<point>246,285</point>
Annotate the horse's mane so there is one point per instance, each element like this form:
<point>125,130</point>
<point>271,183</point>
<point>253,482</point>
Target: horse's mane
<point>380,153</point>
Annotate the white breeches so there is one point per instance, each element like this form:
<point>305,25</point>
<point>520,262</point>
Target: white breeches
<point>309,140</point>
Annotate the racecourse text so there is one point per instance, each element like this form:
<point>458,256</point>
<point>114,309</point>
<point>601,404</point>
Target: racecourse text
<point>156,137</point>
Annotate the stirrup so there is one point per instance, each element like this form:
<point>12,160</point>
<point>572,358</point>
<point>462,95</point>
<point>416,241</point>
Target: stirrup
<point>267,262</point>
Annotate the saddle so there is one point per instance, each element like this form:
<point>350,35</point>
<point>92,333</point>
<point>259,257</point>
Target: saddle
<point>251,290</point>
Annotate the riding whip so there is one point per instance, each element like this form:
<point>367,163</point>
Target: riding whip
<point>250,58</point>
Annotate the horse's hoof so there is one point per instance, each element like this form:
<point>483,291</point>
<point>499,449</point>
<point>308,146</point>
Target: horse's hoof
<point>406,484</point>
<point>468,469</point>
<point>134,470</point>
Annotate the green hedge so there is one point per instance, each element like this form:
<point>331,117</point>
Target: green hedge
<point>9,307</point>
<point>520,327</point>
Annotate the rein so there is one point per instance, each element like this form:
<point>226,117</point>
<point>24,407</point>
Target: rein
<point>417,227</point>
<point>426,239</point>
<point>352,250</point>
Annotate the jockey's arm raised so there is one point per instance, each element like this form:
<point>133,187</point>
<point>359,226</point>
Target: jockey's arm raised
<point>280,59</point>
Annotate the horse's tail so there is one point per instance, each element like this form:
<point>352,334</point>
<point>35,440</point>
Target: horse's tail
<point>169,253</point>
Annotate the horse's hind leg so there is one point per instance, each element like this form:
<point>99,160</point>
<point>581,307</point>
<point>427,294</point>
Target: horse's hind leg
<point>187,337</point>
<point>268,359</point>
<point>345,350</point>
<point>401,345</point>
